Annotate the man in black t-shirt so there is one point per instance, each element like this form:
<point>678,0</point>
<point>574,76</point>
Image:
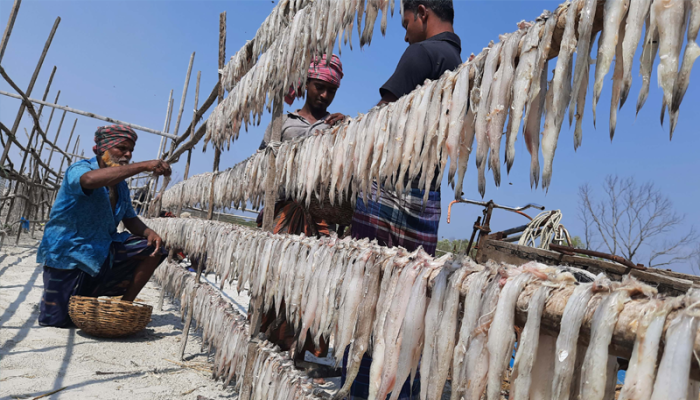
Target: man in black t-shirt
<point>397,219</point>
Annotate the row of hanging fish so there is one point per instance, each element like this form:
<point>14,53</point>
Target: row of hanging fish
<point>232,187</point>
<point>228,332</point>
<point>310,34</point>
<point>486,99</point>
<point>244,59</point>
<point>340,20</point>
<point>446,317</point>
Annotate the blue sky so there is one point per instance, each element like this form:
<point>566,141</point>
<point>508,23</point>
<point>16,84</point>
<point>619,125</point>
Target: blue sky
<point>122,58</point>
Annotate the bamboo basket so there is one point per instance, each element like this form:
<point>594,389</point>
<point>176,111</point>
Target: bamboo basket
<point>108,318</point>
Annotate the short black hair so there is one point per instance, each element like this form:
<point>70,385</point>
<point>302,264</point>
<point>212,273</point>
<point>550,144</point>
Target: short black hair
<point>442,8</point>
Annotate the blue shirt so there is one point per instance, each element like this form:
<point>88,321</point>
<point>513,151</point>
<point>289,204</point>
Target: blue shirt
<point>82,225</point>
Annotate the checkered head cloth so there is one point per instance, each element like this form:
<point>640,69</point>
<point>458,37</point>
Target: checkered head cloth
<point>107,137</point>
<point>321,69</point>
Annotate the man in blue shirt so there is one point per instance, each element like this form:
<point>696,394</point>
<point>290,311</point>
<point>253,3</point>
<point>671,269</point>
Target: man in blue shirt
<point>81,251</point>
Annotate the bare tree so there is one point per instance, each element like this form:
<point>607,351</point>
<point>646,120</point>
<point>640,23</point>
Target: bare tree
<point>636,221</point>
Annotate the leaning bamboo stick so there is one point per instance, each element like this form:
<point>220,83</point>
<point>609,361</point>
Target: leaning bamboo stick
<point>32,81</point>
<point>184,96</point>
<point>166,127</point>
<point>29,108</point>
<point>220,98</point>
<point>8,28</point>
<point>189,153</point>
<point>35,168</point>
<point>91,115</point>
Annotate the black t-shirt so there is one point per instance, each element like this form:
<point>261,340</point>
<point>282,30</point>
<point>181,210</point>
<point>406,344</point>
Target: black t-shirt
<point>428,59</point>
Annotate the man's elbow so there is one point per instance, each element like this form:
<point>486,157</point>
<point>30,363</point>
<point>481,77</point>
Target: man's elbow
<point>87,182</point>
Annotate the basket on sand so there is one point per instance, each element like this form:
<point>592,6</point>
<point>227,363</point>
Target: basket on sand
<point>108,318</point>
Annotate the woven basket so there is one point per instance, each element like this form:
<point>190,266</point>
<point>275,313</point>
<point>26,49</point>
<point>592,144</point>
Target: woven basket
<point>108,318</point>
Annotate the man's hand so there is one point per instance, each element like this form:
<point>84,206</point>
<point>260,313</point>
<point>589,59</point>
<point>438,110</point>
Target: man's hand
<point>335,118</point>
<point>154,240</point>
<point>159,167</point>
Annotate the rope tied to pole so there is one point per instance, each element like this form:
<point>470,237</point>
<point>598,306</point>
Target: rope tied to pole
<point>545,226</point>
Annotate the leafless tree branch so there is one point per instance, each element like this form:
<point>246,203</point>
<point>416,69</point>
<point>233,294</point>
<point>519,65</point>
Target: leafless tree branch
<point>631,219</point>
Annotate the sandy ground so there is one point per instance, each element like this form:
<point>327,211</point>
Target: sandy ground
<point>36,360</point>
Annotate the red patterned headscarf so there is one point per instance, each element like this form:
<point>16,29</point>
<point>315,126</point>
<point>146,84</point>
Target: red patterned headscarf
<point>319,69</point>
<point>107,137</point>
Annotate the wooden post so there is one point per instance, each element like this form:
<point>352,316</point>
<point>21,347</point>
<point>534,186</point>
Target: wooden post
<point>8,28</point>
<point>217,151</point>
<point>166,126</point>
<point>27,210</point>
<point>32,81</point>
<point>189,154</point>
<point>24,158</point>
<point>184,96</point>
<point>60,169</point>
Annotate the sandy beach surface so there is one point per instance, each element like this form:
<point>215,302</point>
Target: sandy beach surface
<point>36,360</point>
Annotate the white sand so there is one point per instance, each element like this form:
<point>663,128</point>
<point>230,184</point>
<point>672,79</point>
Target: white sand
<point>35,360</point>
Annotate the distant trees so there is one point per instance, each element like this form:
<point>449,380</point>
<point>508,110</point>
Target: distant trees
<point>636,221</point>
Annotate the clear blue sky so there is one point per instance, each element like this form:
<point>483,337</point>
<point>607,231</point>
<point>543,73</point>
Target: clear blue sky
<point>122,58</point>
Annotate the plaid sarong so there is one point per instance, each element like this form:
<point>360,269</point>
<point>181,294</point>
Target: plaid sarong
<point>398,220</point>
<point>112,280</point>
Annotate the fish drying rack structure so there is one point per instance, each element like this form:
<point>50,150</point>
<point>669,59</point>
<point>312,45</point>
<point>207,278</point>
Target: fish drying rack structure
<point>436,123</point>
<point>454,314</point>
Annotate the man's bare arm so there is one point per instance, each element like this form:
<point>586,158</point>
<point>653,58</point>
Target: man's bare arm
<point>138,228</point>
<point>111,176</point>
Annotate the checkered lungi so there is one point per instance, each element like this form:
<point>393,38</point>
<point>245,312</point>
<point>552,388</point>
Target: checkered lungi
<point>112,280</point>
<point>395,220</point>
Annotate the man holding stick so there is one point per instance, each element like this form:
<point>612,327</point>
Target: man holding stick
<point>81,251</point>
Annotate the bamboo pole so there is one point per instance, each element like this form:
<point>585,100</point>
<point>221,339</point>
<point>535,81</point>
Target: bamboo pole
<point>36,165</point>
<point>8,28</point>
<point>29,150</point>
<point>29,109</point>
<point>32,81</point>
<point>91,115</point>
<point>70,137</point>
<point>166,126</point>
<point>184,97</point>
<point>217,151</point>
<point>189,153</point>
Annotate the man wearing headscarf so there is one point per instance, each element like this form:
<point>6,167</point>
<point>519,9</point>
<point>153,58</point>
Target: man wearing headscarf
<point>291,217</point>
<point>81,251</point>
<point>321,85</point>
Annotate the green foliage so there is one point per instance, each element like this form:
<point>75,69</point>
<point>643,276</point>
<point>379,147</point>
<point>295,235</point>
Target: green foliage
<point>452,246</point>
<point>578,243</point>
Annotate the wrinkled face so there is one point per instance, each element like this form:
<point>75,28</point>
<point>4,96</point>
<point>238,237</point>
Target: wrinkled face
<point>119,155</point>
<point>320,94</point>
<point>415,25</point>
